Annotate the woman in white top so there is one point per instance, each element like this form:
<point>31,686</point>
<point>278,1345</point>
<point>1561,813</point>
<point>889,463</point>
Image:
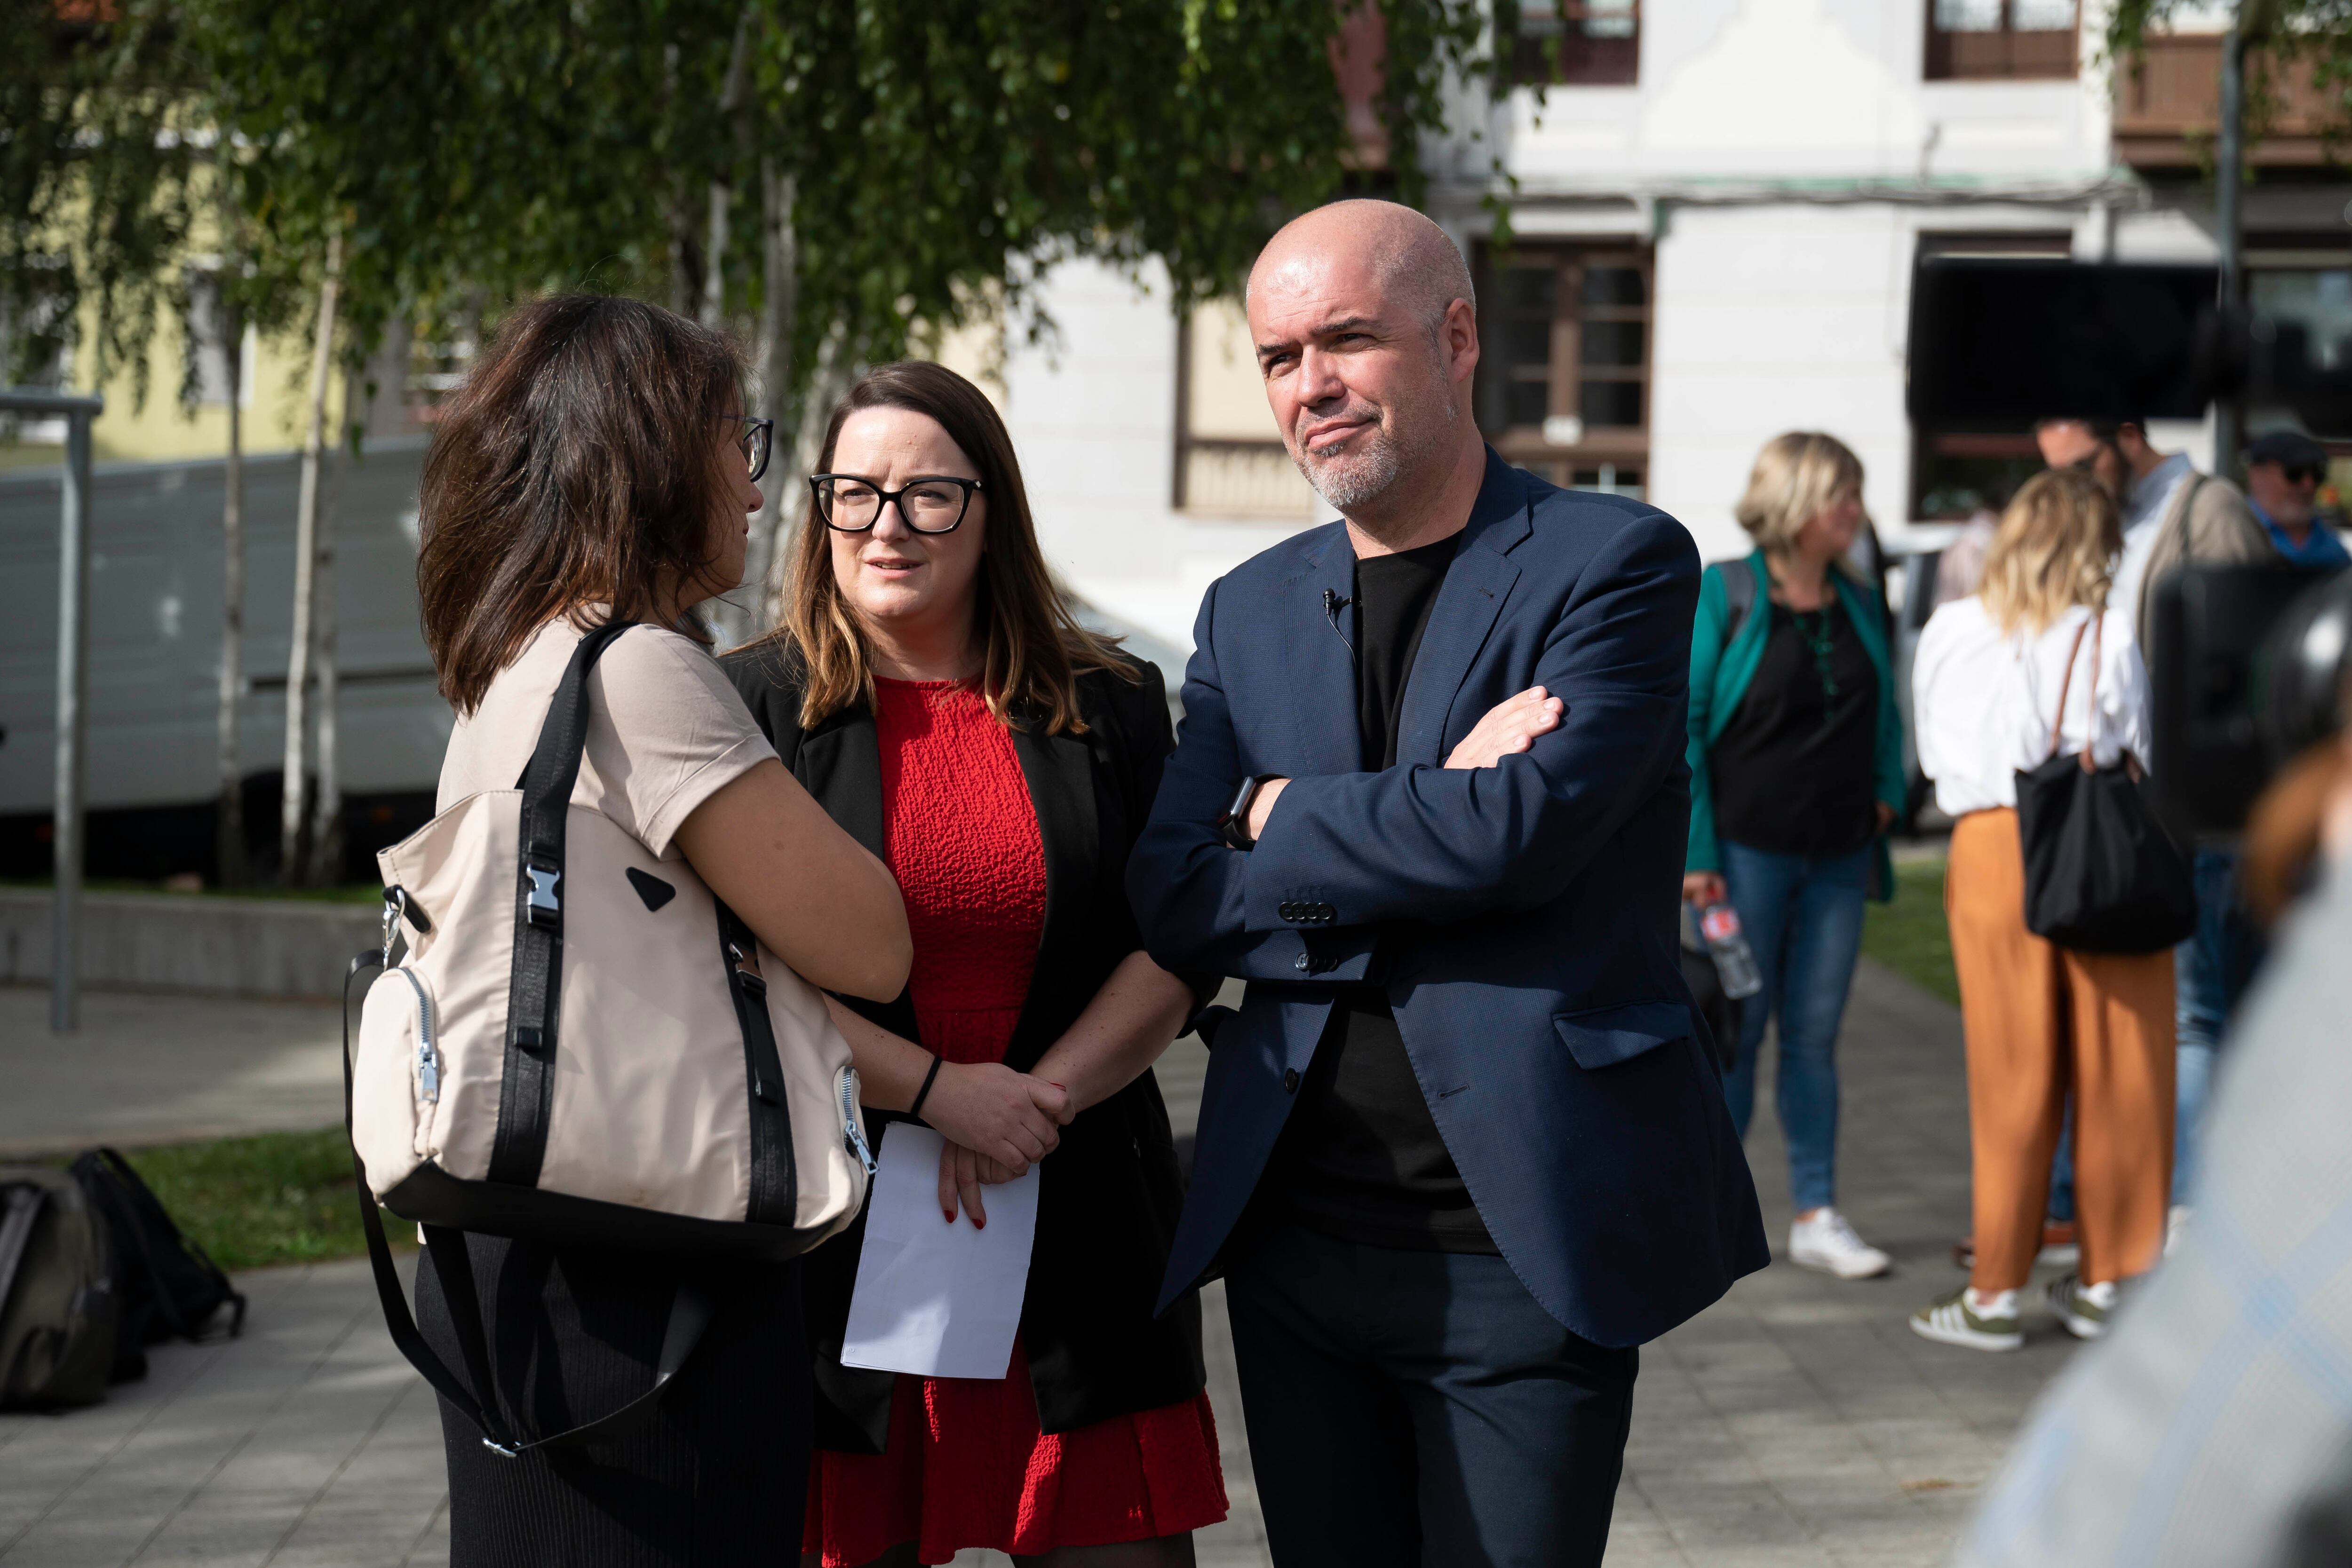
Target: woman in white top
<point>597,464</point>
<point>2031,665</point>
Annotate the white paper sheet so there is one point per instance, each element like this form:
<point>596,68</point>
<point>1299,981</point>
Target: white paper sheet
<point>932,1297</point>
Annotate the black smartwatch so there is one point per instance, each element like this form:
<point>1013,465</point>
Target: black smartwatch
<point>1232,822</point>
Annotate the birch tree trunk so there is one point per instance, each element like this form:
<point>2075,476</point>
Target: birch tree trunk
<point>306,543</point>
<point>228,817</point>
<point>714,248</point>
<point>327,815</point>
<point>779,320</point>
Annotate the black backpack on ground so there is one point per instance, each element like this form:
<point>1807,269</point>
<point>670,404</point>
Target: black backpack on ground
<point>167,1288</point>
<point>57,1306</point>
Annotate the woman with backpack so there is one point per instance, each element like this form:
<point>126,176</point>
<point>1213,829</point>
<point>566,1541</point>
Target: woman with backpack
<point>596,466</point>
<point>1796,760</point>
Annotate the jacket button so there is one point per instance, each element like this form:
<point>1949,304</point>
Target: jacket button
<point>1288,912</point>
<point>1302,963</point>
<point>1290,1080</point>
<point>1326,914</point>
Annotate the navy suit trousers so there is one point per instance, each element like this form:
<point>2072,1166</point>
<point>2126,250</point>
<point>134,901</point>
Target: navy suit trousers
<point>1411,1408</point>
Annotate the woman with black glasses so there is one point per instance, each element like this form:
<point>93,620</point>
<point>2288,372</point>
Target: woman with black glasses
<point>931,691</point>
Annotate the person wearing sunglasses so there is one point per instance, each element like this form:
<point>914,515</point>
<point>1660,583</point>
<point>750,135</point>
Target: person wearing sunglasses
<point>2283,472</point>
<point>930,688</point>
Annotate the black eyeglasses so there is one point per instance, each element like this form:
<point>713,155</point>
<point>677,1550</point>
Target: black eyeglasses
<point>851,504</point>
<point>758,436</point>
<point>2301,475</point>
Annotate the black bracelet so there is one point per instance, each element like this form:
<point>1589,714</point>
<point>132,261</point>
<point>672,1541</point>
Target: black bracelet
<point>916,1109</point>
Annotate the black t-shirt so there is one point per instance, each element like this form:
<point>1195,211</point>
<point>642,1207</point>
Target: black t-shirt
<point>1361,1158</point>
<point>1792,772</point>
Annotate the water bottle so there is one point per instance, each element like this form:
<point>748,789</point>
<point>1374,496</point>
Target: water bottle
<point>1735,965</point>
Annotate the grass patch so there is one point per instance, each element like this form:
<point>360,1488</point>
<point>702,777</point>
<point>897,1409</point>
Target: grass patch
<point>275,1197</point>
<point>1909,935</point>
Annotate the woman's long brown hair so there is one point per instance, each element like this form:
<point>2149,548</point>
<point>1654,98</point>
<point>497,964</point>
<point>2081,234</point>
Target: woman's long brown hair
<point>1033,648</point>
<point>575,468</point>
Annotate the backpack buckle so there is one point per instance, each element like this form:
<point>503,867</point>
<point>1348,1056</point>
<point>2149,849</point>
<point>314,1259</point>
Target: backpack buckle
<point>542,906</point>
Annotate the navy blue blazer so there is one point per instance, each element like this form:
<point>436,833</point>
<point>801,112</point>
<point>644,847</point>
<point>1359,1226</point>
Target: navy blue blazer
<point>1523,917</point>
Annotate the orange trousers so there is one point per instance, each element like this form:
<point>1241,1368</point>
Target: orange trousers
<point>2041,1019</point>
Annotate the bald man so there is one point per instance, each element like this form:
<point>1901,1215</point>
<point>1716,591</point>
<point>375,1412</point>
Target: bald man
<point>1464,1146</point>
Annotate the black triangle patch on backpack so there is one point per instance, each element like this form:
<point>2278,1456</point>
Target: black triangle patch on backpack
<point>166,1287</point>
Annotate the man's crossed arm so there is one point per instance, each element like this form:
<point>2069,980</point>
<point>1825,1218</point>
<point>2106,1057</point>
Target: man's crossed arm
<point>1524,801</point>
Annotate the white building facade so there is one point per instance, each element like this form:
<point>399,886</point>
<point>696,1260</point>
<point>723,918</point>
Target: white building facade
<point>1715,216</point>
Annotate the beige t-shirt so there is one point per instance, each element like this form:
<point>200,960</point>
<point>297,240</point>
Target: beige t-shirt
<point>666,730</point>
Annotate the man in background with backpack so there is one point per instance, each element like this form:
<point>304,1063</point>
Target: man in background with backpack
<point>2175,517</point>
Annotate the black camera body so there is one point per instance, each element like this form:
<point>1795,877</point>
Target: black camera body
<point>2246,667</point>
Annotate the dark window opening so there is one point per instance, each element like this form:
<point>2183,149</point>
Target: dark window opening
<point>1954,475</point>
<point>1565,376</point>
<point>1578,43</point>
<point>1991,40</point>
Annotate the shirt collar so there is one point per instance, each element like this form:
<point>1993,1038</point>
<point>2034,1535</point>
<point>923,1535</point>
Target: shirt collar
<point>2149,492</point>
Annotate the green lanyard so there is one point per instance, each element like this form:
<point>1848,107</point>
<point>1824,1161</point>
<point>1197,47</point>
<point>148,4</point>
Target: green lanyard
<point>1815,627</point>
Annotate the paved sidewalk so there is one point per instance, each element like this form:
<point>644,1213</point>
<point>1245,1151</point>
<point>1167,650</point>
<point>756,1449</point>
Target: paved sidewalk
<point>1797,1422</point>
<point>164,1069</point>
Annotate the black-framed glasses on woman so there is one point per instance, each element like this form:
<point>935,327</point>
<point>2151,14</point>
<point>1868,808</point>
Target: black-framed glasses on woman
<point>757,436</point>
<point>851,504</point>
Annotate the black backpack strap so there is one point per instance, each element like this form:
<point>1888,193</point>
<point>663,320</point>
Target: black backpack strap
<point>775,1174</point>
<point>689,1307</point>
<point>1738,596</point>
<point>132,1209</point>
<point>535,992</point>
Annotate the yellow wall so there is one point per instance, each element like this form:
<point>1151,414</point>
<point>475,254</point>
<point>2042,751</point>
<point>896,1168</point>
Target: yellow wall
<point>276,393</point>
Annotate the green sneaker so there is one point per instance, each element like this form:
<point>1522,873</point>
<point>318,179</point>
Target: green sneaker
<point>1950,1320</point>
<point>2083,1309</point>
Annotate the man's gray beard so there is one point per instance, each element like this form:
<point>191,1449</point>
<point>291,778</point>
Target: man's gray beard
<point>1385,458</point>
<point>1370,474</point>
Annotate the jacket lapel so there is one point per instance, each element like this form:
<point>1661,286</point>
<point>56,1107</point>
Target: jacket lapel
<point>1467,604</point>
<point>840,764</point>
<point>1059,770</point>
<point>1319,662</point>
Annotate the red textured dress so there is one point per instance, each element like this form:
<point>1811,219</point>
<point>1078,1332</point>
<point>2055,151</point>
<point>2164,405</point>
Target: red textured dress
<point>967,1464</point>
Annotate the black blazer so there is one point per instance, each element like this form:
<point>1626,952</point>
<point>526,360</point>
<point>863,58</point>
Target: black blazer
<point>1109,1196</point>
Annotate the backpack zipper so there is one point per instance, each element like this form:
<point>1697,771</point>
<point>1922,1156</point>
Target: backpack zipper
<point>853,1136</point>
<point>428,1065</point>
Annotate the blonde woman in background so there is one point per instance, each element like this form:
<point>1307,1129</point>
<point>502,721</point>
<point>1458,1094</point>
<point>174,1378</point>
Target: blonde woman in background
<point>2035,652</point>
<point>1796,759</point>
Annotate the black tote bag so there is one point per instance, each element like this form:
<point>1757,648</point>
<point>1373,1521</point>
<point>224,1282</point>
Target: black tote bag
<point>2101,876</point>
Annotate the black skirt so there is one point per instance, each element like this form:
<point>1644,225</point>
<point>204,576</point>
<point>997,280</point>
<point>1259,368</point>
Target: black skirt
<point>716,1476</point>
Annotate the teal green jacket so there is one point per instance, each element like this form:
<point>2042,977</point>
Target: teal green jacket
<point>1719,675</point>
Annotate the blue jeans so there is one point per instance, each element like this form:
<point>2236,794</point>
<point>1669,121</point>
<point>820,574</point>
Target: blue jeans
<point>2213,966</point>
<point>1803,917</point>
<point>2061,1171</point>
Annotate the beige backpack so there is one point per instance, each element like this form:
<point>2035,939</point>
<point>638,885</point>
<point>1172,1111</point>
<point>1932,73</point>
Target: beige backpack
<point>583,1046</point>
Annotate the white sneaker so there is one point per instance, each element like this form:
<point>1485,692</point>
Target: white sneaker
<point>1827,1244</point>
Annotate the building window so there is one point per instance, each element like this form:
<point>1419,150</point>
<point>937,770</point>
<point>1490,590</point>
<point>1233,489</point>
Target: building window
<point>1954,473</point>
<point>1580,43</point>
<point>1230,459</point>
<point>1564,388</point>
<point>1981,40</point>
